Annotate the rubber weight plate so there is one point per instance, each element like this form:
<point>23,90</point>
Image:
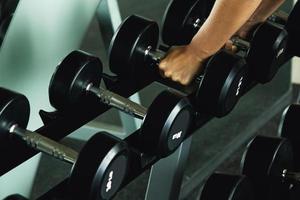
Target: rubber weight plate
<point>100,168</point>
<point>267,52</point>
<point>227,187</point>
<point>293,28</point>
<point>221,86</point>
<point>166,123</point>
<point>289,128</point>
<point>129,43</point>
<point>263,162</point>
<point>178,21</point>
<point>14,109</point>
<point>15,197</point>
<point>71,78</point>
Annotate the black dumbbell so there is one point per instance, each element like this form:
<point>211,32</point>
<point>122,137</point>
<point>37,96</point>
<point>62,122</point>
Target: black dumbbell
<point>182,18</point>
<point>264,52</point>
<point>165,122</point>
<point>293,30</point>
<point>279,17</point>
<point>289,128</point>
<point>98,169</point>
<point>133,52</point>
<point>15,197</point>
<point>268,162</point>
<point>291,24</point>
<point>221,186</point>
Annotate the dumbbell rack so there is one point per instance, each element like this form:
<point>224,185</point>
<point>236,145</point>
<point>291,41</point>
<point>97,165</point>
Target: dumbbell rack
<point>63,124</point>
<point>59,125</point>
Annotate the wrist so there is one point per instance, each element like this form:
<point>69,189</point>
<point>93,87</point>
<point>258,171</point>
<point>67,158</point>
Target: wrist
<point>256,19</point>
<point>198,51</point>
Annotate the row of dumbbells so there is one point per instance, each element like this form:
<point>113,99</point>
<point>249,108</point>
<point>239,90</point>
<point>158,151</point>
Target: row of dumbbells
<point>134,52</point>
<point>101,166</point>
<point>270,167</point>
<point>165,122</point>
<point>270,44</point>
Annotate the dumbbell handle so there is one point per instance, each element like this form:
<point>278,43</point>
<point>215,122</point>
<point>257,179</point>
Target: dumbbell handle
<point>291,175</point>
<point>119,102</point>
<point>240,43</point>
<point>45,145</point>
<point>154,55</point>
<point>279,17</point>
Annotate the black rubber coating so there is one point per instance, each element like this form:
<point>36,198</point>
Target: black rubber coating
<point>222,84</point>
<point>227,187</point>
<point>179,18</point>
<point>14,109</point>
<point>71,78</point>
<point>289,128</point>
<point>15,197</point>
<point>100,168</point>
<point>128,46</point>
<point>166,123</point>
<point>264,161</point>
<point>293,28</point>
<point>267,52</point>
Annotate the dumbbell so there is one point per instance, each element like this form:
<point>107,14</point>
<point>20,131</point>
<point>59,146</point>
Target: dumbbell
<point>268,162</point>
<point>15,197</point>
<point>293,29</point>
<point>289,128</point>
<point>98,169</point>
<point>290,23</point>
<point>264,52</point>
<point>133,52</point>
<point>183,18</point>
<point>220,186</point>
<point>165,122</point>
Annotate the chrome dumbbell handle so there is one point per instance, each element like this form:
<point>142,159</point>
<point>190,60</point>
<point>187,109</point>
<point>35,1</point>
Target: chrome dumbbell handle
<point>295,176</point>
<point>45,145</point>
<point>154,55</point>
<point>240,43</point>
<point>117,101</point>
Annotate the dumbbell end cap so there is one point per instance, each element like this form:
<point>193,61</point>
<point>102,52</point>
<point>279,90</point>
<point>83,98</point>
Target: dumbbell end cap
<point>71,77</point>
<point>14,109</point>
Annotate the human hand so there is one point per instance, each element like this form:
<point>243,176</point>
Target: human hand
<point>244,33</point>
<point>181,64</point>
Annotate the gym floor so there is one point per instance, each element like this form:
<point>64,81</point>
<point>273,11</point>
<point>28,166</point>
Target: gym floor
<point>211,139</point>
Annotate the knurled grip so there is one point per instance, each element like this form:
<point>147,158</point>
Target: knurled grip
<point>46,145</point>
<point>122,103</point>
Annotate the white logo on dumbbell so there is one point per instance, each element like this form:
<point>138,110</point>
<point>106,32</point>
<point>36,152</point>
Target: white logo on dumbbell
<point>280,52</point>
<point>109,182</point>
<point>177,135</point>
<point>239,86</point>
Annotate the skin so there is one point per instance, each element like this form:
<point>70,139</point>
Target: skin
<point>228,17</point>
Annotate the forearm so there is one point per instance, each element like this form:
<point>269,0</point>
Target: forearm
<point>226,18</point>
<point>265,9</point>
